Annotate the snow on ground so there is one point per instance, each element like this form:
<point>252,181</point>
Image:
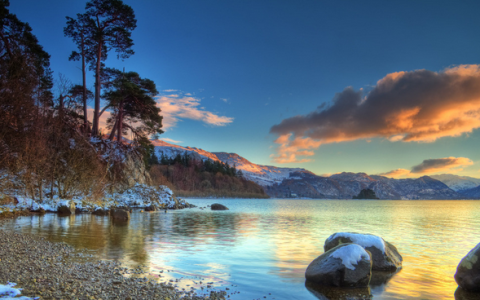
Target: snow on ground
<point>364,240</point>
<point>9,292</point>
<point>351,255</point>
<point>137,196</point>
<point>144,195</point>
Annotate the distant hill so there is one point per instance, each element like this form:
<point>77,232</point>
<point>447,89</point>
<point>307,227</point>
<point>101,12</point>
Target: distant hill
<point>458,183</point>
<point>262,175</point>
<point>298,182</point>
<point>347,185</point>
<point>473,193</point>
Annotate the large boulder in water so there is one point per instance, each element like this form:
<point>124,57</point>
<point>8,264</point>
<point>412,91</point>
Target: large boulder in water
<point>120,214</point>
<point>347,265</point>
<point>385,256</point>
<point>218,206</point>
<point>66,208</point>
<point>468,271</point>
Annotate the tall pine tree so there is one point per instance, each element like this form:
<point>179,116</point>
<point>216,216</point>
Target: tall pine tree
<point>112,25</point>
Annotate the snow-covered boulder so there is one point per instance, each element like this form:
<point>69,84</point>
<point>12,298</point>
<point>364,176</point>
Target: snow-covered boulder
<point>385,256</point>
<point>66,207</point>
<point>468,271</point>
<point>347,265</point>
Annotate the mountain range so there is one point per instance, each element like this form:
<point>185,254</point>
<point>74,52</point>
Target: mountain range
<point>301,183</point>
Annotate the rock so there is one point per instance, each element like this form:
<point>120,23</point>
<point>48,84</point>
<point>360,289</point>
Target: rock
<point>129,209</point>
<point>461,294</point>
<point>150,208</point>
<point>120,214</point>
<point>218,206</point>
<point>380,279</point>
<point>385,256</point>
<point>347,265</point>
<point>366,194</point>
<point>66,208</point>
<point>101,212</point>
<point>468,271</point>
<point>331,293</point>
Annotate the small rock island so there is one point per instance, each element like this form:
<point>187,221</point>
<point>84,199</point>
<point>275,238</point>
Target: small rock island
<point>366,194</point>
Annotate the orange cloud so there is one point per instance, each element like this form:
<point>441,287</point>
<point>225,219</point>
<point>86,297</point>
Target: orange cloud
<point>430,166</point>
<point>396,173</point>
<point>289,149</point>
<point>177,106</point>
<point>102,125</point>
<point>416,106</point>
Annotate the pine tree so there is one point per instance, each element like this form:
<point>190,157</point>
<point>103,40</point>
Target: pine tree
<point>112,23</point>
<point>131,98</point>
<point>80,31</point>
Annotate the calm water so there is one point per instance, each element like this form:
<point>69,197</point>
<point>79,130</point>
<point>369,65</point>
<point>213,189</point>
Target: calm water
<point>261,248</point>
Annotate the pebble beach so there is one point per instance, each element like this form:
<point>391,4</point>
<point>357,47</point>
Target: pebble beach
<point>46,270</point>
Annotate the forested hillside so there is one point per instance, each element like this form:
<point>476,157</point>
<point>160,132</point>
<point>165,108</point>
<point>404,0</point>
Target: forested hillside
<point>188,176</point>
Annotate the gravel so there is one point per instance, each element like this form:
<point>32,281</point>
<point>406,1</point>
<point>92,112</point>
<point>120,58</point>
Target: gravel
<point>58,271</point>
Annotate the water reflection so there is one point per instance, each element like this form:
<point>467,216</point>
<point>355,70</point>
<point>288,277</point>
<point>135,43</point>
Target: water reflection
<point>261,244</point>
<point>329,293</point>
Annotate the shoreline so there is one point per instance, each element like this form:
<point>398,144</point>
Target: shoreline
<point>51,270</point>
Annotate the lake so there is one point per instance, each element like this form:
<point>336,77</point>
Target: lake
<point>261,248</point>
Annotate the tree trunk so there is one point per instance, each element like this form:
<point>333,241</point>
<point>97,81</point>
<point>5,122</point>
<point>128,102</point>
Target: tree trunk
<point>112,134</point>
<point>120,122</point>
<point>96,113</point>
<point>84,96</point>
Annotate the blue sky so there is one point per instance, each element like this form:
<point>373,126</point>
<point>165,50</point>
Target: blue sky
<point>241,67</point>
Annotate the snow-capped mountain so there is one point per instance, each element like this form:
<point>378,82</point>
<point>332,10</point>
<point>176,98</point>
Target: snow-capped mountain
<point>458,183</point>
<point>172,150</point>
<point>262,175</point>
<point>297,182</point>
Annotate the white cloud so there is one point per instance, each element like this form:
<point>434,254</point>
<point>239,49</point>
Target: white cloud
<point>181,106</point>
<point>171,141</point>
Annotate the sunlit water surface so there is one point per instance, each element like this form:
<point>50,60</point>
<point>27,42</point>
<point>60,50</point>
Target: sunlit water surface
<point>261,248</point>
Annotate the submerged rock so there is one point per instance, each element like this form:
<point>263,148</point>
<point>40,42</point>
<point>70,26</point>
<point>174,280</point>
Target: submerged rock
<point>461,294</point>
<point>150,208</point>
<point>468,271</point>
<point>385,256</point>
<point>333,293</point>
<point>101,212</point>
<point>66,208</point>
<point>218,206</point>
<point>347,265</point>
<point>120,214</point>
